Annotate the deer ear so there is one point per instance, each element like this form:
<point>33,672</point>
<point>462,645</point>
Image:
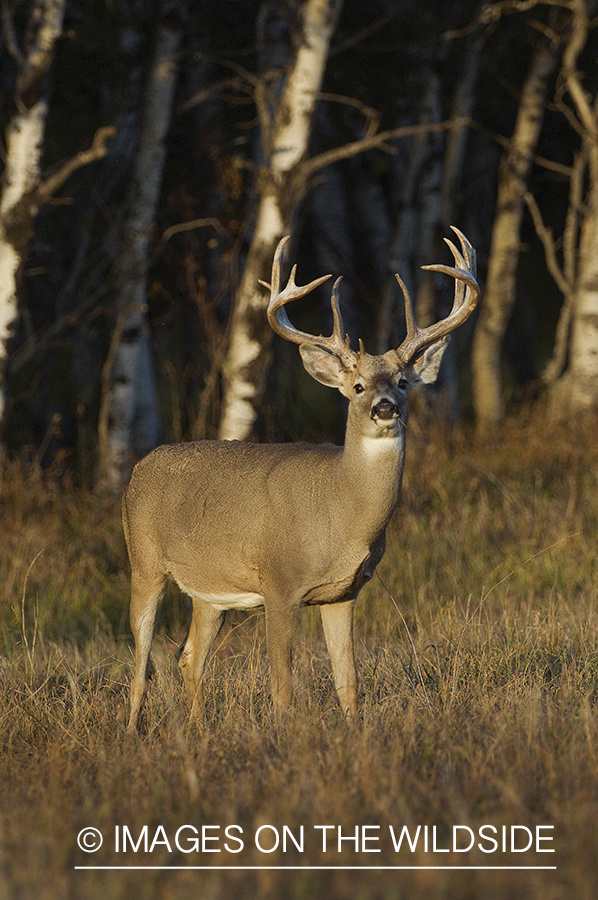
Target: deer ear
<point>324,366</point>
<point>426,367</point>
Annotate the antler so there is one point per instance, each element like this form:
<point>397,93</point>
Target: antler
<point>467,292</point>
<point>278,319</point>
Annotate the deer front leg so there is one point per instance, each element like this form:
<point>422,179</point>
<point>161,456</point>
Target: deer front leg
<point>337,619</point>
<point>280,622</point>
<point>206,622</point>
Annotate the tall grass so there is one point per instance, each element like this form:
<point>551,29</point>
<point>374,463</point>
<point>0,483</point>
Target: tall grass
<point>478,664</point>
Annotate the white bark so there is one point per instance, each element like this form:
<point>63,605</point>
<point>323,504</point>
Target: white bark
<point>286,147</point>
<point>577,389</point>
<point>499,294</point>
<point>24,144</point>
<point>290,141</point>
<point>584,341</point>
<point>127,374</point>
<point>583,364</point>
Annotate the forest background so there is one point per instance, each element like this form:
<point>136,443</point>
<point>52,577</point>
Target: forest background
<point>143,145</point>
<point>141,151</point>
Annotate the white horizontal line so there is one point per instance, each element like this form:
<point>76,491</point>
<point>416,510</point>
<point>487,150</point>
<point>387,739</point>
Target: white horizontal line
<point>322,868</point>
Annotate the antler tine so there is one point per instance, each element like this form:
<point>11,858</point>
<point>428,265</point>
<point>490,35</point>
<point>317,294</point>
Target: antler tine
<point>466,261</point>
<point>467,250</point>
<point>412,329</point>
<point>467,292</point>
<point>276,263</point>
<point>279,320</point>
<point>339,339</point>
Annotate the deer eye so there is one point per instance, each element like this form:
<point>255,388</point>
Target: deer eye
<point>403,384</point>
<point>359,388</point>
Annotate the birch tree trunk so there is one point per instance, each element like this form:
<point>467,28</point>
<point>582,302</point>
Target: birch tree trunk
<point>24,144</point>
<point>433,299</point>
<point>286,145</point>
<point>499,294</point>
<point>128,419</point>
<point>576,389</point>
<point>404,246</point>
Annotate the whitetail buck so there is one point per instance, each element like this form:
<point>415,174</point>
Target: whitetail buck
<point>241,525</point>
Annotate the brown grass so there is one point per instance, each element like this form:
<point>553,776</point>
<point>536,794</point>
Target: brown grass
<point>478,660</point>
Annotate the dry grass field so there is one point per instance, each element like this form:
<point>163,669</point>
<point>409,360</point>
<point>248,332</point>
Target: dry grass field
<point>478,663</point>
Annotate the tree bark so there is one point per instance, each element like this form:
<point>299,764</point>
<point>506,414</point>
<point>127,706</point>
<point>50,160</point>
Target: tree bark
<point>24,144</point>
<point>499,294</point>
<point>404,245</point>
<point>579,385</point>
<point>128,419</point>
<point>280,188</point>
<point>577,388</point>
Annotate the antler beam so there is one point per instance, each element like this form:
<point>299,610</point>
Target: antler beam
<point>279,320</point>
<point>467,292</point>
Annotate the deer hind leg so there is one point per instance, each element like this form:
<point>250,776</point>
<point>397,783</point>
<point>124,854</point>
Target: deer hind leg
<point>337,619</point>
<point>145,596</point>
<point>206,622</point>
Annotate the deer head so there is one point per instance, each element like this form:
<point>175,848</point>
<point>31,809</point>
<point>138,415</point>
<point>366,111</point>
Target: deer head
<point>376,386</point>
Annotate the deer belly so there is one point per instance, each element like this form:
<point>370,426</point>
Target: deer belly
<point>337,591</point>
<point>232,600</point>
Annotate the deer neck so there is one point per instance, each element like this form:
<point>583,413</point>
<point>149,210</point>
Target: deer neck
<point>370,472</point>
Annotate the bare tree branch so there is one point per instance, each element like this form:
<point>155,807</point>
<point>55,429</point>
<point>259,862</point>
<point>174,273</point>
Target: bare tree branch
<point>553,166</point>
<point>575,44</point>
<point>556,364</point>
<point>491,13</point>
<point>547,239</point>
<point>264,98</point>
<point>574,214</point>
<point>10,38</point>
<point>194,223</point>
<point>371,115</point>
<point>201,96</point>
<point>98,150</point>
<point>380,140</point>
<point>364,33</point>
<point>42,339</point>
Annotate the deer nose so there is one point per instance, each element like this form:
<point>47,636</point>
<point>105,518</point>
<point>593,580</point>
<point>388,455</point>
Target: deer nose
<point>384,409</point>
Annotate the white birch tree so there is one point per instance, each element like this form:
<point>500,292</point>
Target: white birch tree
<point>572,373</point>
<point>282,183</point>
<point>128,418</point>
<point>285,137</point>
<point>499,294</point>
<point>23,190</point>
<point>24,145</point>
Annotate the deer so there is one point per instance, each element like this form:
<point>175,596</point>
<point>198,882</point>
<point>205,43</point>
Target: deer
<point>240,525</point>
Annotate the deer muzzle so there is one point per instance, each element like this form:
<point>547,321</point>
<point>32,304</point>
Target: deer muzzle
<point>384,409</point>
